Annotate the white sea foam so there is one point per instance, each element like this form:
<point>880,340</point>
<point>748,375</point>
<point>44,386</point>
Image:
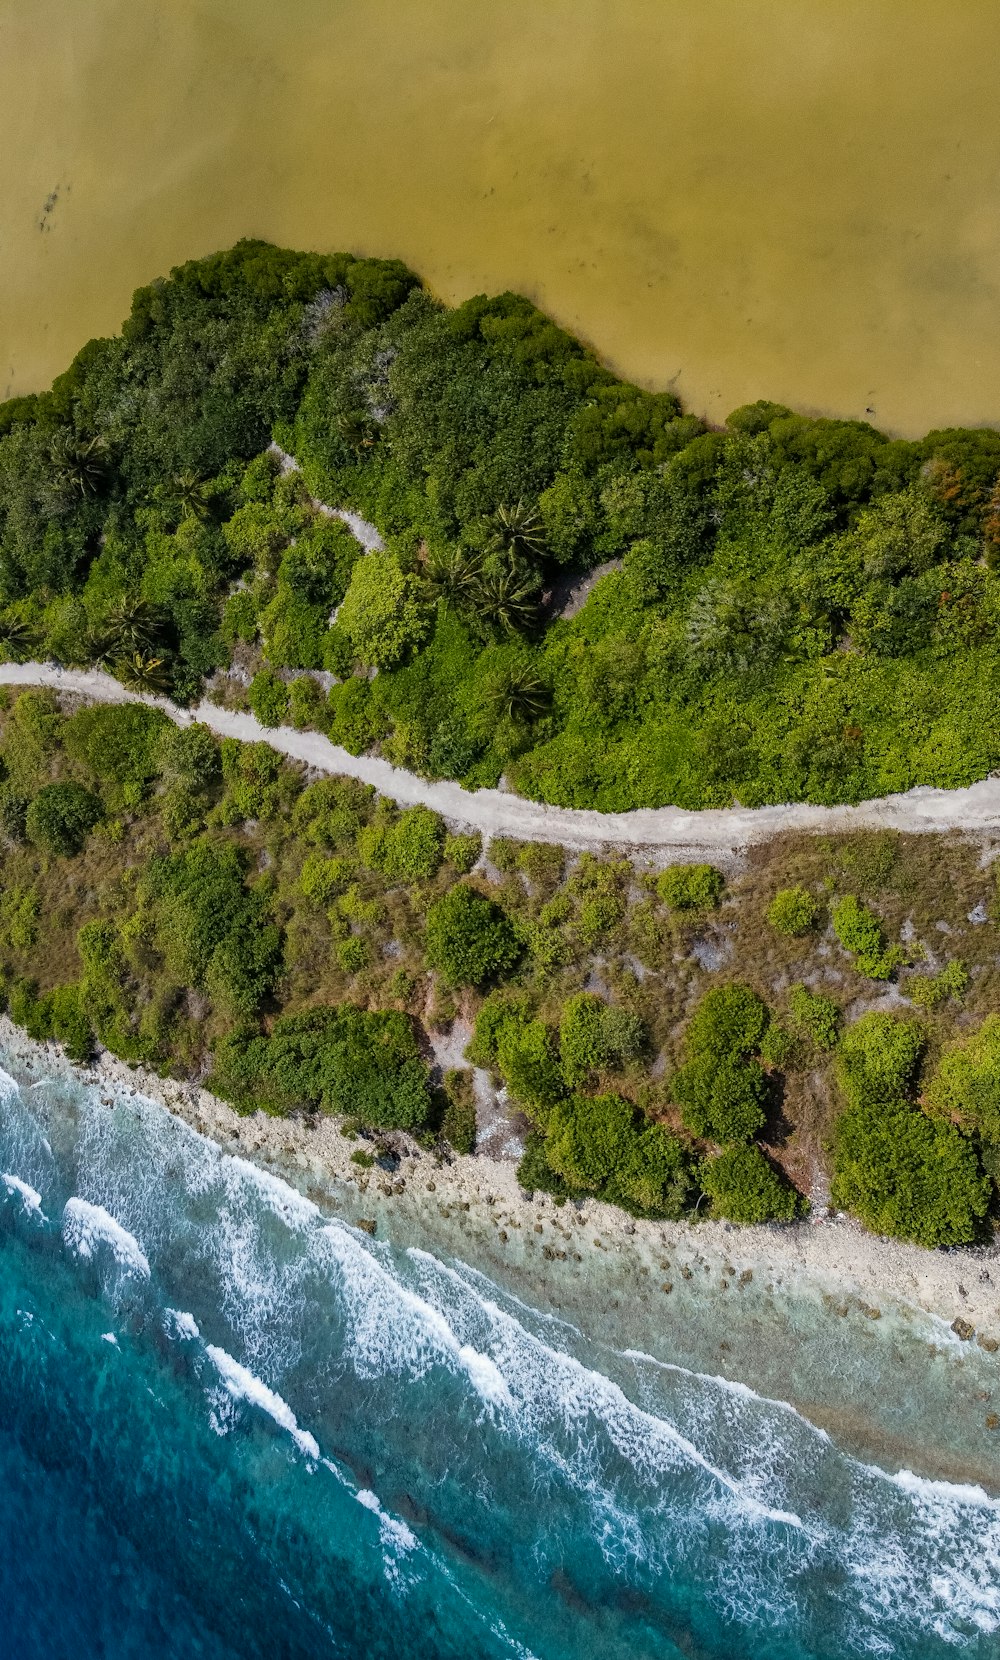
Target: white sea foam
<point>391,1527</point>
<point>31,1199</point>
<point>178,1323</point>
<point>109,1337</point>
<point>86,1227</point>
<point>729,1386</point>
<point>243,1385</point>
<point>395,1328</point>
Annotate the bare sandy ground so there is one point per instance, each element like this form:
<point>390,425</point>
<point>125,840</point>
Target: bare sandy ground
<point>713,833</point>
<point>531,1236</point>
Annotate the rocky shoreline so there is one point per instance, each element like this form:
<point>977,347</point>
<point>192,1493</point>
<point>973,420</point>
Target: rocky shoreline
<point>475,1201</point>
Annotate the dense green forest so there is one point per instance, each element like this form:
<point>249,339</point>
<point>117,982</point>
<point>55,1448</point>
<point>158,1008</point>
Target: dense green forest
<point>798,609</point>
<point>675,1044</point>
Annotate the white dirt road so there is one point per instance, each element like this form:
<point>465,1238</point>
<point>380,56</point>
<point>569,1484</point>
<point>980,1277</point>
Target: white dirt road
<point>684,835</point>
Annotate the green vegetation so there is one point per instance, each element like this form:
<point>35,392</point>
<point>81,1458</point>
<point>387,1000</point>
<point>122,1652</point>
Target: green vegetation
<point>745,1188</point>
<point>469,939</point>
<point>793,911</point>
<point>690,887</point>
<point>803,609</point>
<point>907,1175</point>
<point>861,933</point>
<point>294,941</point>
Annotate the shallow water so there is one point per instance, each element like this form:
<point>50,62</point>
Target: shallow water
<point>742,200</point>
<point>233,1425</point>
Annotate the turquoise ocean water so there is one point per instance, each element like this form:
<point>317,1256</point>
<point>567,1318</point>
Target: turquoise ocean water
<point>233,1426</point>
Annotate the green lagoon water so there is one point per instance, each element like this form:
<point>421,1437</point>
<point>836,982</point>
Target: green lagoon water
<point>234,1425</point>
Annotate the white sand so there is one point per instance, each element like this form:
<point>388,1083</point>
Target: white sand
<point>524,1235</point>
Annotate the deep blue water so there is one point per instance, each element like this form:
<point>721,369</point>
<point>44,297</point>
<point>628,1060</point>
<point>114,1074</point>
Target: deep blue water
<point>233,1427</point>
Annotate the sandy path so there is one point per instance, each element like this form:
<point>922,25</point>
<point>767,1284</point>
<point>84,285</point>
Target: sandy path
<point>687,835</point>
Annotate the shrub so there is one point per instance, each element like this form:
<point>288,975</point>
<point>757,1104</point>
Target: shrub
<point>600,1144</point>
<point>341,1060</point>
<point>462,852</point>
<point>966,1085</point>
<point>526,1056</point>
<point>654,1175</point>
<point>502,1010</point>
<point>777,1046</point>
<point>354,954</point>
<point>321,879</point>
<point>381,613</point>
<point>818,1017</point>
<point>793,911</point>
<point>861,933</point>
<point>929,991</point>
<point>908,1176</point>
<point>878,1059</point>
<point>589,1137</point>
<point>61,817</point>
<point>214,931</point>
<point>306,703</point>
<point>729,1021</point>
<point>120,743</point>
<point>690,887</point>
<point>744,1187</point>
<point>720,1088</point>
<point>582,1049</point>
<point>30,736</point>
<point>59,1014</point>
<point>69,1023</point>
<point>268,698</point>
<point>458,1125</point>
<point>407,848</point>
<point>189,755</point>
<point>469,938</point>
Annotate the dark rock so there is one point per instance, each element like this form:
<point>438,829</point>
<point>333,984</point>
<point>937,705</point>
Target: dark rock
<point>367,1224</point>
<point>962,1329</point>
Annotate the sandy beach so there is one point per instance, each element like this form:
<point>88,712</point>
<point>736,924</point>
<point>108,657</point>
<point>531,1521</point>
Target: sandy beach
<point>473,1207</point>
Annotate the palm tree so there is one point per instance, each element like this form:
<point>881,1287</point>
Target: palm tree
<point>142,673</point>
<point>357,430</point>
<point>518,532</point>
<point>506,600</point>
<point>17,637</point>
<point>455,576</point>
<point>521,695</point>
<point>130,628</point>
<point>81,463</point>
<point>192,494</point>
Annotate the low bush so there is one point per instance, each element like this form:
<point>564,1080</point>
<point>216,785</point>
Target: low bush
<point>793,911</point>
<point>878,1059</point>
<point>529,1063</point>
<point>61,817</point>
<point>268,698</point>
<point>341,1060</point>
<point>600,1144</point>
<point>908,1176</point>
<point>462,852</point>
<point>407,848</point>
<point>745,1187</point>
<point>690,887</point>
<point>815,1016</point>
<point>929,991</point>
<point>470,940</point>
<point>458,1123</point>
<point>861,933</point>
<point>966,1084</point>
<point>721,1087</point>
